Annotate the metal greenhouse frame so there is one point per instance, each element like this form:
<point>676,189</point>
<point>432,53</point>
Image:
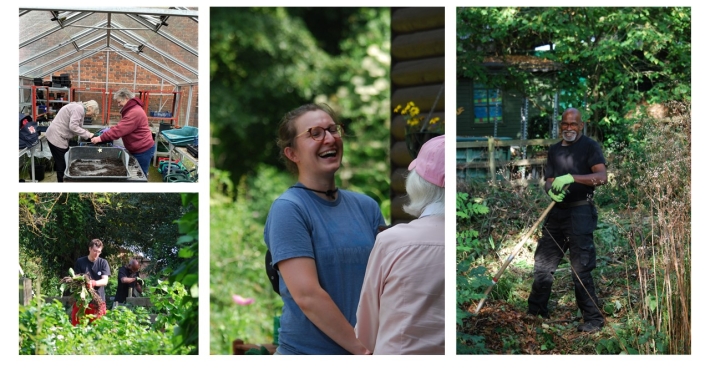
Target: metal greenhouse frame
<point>159,44</point>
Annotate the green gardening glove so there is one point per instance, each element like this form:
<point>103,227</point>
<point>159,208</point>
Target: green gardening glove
<point>559,183</point>
<point>557,197</point>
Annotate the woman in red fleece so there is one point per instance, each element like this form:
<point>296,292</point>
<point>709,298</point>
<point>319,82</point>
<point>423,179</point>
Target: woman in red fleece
<point>133,128</point>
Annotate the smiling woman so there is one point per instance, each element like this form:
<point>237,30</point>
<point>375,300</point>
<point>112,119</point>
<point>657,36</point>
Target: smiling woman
<point>320,238</point>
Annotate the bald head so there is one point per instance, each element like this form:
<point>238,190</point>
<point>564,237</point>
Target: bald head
<point>573,112</point>
<point>134,265</point>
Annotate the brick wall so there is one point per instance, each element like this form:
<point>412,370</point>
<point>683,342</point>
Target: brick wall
<point>110,71</point>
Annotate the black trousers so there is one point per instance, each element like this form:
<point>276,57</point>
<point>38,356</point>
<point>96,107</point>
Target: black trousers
<point>569,229</point>
<point>59,163</point>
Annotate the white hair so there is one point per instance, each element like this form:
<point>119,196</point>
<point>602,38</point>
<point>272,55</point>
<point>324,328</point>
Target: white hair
<point>93,105</point>
<point>421,194</point>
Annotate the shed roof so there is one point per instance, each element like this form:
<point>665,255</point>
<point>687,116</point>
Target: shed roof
<point>524,62</point>
<point>161,40</point>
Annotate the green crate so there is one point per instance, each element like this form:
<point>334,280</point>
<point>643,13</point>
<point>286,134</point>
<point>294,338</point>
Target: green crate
<point>162,147</point>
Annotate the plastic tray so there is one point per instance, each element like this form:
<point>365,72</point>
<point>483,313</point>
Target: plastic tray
<point>181,137</point>
<point>92,155</point>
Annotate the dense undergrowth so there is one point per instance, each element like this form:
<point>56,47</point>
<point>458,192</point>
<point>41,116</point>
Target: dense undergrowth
<point>45,328</point>
<point>237,250</point>
<point>643,257</point>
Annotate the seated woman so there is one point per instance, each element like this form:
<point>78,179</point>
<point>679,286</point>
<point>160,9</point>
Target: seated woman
<point>402,302</point>
<point>320,238</point>
<point>133,129</point>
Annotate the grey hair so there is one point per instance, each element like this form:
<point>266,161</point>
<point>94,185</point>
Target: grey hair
<point>421,194</point>
<point>93,105</point>
<point>123,93</point>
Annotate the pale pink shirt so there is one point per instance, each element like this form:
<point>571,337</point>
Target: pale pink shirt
<point>67,124</point>
<point>401,308</point>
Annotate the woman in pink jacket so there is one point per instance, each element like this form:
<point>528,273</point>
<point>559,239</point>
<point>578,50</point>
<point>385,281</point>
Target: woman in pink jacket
<point>401,309</point>
<point>133,129</point>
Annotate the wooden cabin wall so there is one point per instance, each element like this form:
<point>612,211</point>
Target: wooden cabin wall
<point>417,75</point>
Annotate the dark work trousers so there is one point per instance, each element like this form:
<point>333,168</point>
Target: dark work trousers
<point>59,163</point>
<point>567,229</point>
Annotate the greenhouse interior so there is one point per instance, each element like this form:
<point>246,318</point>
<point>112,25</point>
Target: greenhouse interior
<point>89,81</point>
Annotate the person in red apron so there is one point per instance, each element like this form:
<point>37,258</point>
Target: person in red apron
<point>99,270</point>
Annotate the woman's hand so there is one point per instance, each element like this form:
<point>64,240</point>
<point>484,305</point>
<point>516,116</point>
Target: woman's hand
<point>301,278</point>
<point>96,140</point>
<point>362,351</point>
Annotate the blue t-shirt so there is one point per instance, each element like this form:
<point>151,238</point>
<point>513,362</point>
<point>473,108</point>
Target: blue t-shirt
<point>339,235</point>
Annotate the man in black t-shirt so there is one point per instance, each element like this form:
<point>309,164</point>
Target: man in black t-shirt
<point>577,164</point>
<point>99,271</point>
<point>127,278</point>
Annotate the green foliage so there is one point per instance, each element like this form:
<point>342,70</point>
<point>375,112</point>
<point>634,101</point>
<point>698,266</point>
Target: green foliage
<point>467,239</point>
<point>470,344</point>
<point>186,276</point>
<point>280,59</point>
<point>237,259</point>
<point>470,284</point>
<point>609,60</point>
<point>470,280</point>
<point>637,336</point>
<point>45,328</point>
<point>56,227</point>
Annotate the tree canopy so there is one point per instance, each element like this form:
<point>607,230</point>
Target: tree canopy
<point>267,61</point>
<point>610,60</point>
<point>55,228</point>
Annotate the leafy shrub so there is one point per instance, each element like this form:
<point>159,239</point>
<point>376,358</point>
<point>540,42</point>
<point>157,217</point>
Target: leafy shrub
<point>469,280</point>
<point>45,328</point>
<point>237,258</point>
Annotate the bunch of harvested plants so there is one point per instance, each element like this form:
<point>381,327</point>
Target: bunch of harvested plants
<point>83,293</point>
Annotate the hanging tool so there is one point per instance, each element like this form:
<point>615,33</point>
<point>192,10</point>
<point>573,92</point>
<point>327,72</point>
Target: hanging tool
<point>513,254</point>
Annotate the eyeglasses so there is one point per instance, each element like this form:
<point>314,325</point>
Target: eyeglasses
<point>318,133</point>
<point>568,124</point>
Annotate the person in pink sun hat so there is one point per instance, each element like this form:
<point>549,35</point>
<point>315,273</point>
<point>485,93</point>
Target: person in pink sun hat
<point>401,308</point>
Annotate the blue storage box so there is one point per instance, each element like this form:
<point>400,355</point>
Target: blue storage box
<point>181,137</point>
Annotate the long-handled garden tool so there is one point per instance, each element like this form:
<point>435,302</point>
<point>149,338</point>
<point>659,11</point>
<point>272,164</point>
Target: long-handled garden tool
<point>512,255</point>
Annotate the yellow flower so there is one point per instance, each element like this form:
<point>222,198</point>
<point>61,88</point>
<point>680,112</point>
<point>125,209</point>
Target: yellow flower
<point>396,110</point>
<point>414,111</point>
<point>434,120</point>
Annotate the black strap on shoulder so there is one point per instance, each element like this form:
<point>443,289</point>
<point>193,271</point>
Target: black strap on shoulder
<point>271,272</point>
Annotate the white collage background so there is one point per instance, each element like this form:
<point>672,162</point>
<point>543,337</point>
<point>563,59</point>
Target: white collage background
<point>205,363</point>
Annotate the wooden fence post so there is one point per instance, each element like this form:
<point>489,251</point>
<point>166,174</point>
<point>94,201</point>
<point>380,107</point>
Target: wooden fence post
<point>491,158</point>
<point>25,291</point>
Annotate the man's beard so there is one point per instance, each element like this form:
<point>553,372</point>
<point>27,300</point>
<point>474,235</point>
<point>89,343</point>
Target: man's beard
<point>569,136</point>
